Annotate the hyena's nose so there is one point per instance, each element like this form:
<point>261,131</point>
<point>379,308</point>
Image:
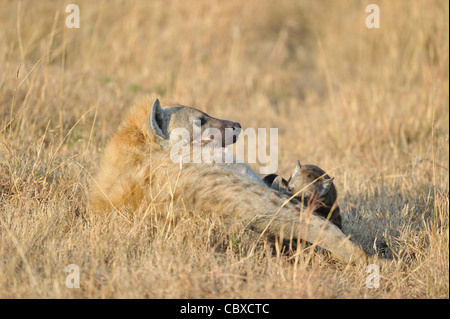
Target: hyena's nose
<point>233,125</point>
<point>230,131</point>
<point>236,131</point>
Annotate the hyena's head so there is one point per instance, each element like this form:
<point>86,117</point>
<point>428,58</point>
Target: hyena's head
<point>169,123</point>
<point>311,180</point>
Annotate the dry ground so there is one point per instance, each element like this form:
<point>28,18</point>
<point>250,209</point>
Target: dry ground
<point>369,105</point>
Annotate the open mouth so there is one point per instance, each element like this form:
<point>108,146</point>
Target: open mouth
<point>220,138</point>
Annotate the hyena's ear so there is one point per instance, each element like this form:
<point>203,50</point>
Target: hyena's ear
<point>158,121</point>
<point>279,183</point>
<point>325,186</point>
<point>268,180</point>
<point>297,168</point>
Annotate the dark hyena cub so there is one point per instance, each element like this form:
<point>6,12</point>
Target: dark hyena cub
<point>309,183</point>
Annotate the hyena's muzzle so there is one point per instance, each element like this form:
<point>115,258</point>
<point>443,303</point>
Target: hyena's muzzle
<point>215,132</point>
<point>219,132</point>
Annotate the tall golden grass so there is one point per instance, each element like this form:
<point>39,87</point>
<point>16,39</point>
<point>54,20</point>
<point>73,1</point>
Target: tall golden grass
<point>371,106</point>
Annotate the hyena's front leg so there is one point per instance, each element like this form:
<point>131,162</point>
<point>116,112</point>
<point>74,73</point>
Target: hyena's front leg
<point>308,227</point>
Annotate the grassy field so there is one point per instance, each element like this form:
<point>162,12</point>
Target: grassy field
<point>371,106</point>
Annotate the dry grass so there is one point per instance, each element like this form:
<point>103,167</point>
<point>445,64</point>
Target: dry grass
<point>370,106</point>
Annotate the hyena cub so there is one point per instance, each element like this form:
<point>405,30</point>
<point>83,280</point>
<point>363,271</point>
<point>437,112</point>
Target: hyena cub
<point>310,184</point>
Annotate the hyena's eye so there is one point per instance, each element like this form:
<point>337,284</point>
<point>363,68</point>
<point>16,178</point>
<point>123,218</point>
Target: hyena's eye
<point>200,121</point>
